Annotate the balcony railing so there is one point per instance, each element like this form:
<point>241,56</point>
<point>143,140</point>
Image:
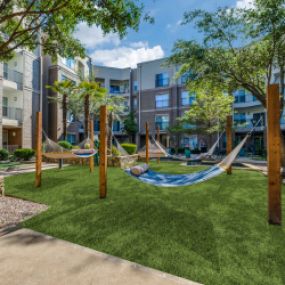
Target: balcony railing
<point>13,75</point>
<point>12,113</point>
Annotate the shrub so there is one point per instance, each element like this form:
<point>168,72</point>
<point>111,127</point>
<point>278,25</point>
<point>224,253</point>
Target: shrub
<point>4,154</point>
<point>76,147</point>
<point>130,148</point>
<point>24,153</point>
<point>115,151</point>
<point>65,144</point>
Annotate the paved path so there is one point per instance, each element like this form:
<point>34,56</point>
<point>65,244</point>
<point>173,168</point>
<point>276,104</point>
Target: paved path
<point>31,258</point>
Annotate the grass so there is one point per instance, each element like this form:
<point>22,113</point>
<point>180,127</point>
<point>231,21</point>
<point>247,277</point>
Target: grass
<point>6,165</point>
<point>214,233</point>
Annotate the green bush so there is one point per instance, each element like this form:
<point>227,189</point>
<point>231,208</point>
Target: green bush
<point>115,151</point>
<point>196,151</point>
<point>65,144</point>
<point>4,154</point>
<point>130,148</point>
<point>24,153</point>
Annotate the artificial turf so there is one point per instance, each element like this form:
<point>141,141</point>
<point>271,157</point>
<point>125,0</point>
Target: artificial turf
<point>215,232</point>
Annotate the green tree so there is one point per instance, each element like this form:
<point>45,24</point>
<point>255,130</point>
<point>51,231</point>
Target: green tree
<point>239,47</point>
<point>63,90</point>
<point>208,113</point>
<point>130,126</point>
<point>56,20</point>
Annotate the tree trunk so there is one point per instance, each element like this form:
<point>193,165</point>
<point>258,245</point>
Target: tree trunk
<point>86,115</point>
<point>110,132</point>
<point>64,116</point>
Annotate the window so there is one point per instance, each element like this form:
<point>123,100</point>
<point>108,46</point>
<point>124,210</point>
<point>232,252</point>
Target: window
<point>161,101</point>
<point>115,89</point>
<point>239,119</point>
<point>240,96</point>
<point>135,86</point>
<point>71,138</point>
<point>258,119</point>
<point>97,126</point>
<point>135,103</point>
<point>70,63</point>
<point>116,126</point>
<point>161,80</point>
<point>5,106</point>
<point>162,121</point>
<point>187,98</point>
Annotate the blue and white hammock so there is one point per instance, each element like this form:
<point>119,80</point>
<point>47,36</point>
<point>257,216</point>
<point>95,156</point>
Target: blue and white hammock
<point>176,180</point>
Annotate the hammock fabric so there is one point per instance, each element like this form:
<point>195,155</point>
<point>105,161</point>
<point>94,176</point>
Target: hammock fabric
<point>175,180</point>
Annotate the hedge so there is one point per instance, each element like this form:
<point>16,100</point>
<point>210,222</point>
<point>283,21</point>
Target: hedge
<point>24,153</point>
<point>130,148</point>
<point>4,154</point>
<point>65,144</point>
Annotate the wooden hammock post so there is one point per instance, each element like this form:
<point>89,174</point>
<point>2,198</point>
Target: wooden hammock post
<point>229,139</point>
<point>103,152</point>
<point>273,154</point>
<point>158,140</point>
<point>38,174</point>
<point>91,133</point>
<point>146,143</point>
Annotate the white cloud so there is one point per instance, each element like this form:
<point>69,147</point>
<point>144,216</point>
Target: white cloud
<point>243,4</point>
<point>92,37</point>
<point>127,56</point>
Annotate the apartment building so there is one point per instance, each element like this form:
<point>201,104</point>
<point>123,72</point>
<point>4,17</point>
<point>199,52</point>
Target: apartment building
<point>58,70</point>
<point>117,81</point>
<point>20,97</point>
<point>159,98</point>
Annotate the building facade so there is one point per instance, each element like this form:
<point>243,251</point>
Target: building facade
<point>62,69</point>
<point>20,88</point>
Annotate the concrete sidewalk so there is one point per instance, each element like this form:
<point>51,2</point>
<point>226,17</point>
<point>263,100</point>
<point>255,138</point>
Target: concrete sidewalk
<point>31,258</point>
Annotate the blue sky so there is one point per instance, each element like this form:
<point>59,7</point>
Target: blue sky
<point>152,40</point>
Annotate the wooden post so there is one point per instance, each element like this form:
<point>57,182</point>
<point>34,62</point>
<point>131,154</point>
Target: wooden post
<point>158,139</point>
<point>103,152</point>
<point>229,139</point>
<point>91,134</point>
<point>146,143</point>
<point>273,154</point>
<point>38,174</point>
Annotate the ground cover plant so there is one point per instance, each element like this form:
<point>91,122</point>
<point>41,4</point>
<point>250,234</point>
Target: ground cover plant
<point>214,233</point>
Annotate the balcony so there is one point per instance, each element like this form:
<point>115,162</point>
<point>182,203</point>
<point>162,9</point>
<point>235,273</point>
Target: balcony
<point>14,76</point>
<point>12,116</point>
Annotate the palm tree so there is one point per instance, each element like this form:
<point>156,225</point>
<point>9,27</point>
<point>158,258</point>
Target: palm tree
<point>63,89</point>
<point>89,92</point>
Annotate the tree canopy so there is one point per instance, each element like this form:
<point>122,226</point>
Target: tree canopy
<point>239,49</point>
<point>28,23</point>
<point>208,113</point>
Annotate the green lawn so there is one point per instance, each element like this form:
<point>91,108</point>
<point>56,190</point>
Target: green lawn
<point>214,233</point>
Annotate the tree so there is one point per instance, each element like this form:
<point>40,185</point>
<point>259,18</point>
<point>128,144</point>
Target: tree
<point>239,47</point>
<point>63,89</point>
<point>89,93</point>
<point>56,21</point>
<point>208,113</point>
<point>130,125</point>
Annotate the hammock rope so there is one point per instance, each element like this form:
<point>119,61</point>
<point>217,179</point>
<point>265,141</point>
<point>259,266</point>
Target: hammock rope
<point>176,180</point>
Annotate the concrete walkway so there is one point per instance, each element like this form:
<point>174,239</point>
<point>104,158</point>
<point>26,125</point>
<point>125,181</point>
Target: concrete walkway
<point>31,258</point>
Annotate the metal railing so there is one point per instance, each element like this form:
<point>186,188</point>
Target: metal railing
<point>13,75</point>
<point>11,147</point>
<point>12,113</point>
